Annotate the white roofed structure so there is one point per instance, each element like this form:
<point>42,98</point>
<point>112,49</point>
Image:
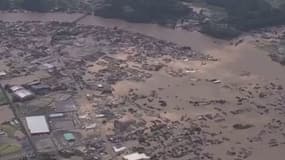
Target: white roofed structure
<point>15,88</point>
<point>23,93</point>
<point>136,156</point>
<point>37,124</point>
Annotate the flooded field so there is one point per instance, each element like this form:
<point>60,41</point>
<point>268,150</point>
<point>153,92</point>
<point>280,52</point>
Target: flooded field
<point>230,107</point>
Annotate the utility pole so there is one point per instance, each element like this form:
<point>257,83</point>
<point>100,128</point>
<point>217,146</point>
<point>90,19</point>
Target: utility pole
<point>93,8</point>
<point>56,4</point>
<point>17,117</point>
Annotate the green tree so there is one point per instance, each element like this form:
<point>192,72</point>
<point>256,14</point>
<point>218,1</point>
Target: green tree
<point>144,10</point>
<point>37,5</point>
<point>250,14</point>
<point>220,30</point>
<point>4,4</point>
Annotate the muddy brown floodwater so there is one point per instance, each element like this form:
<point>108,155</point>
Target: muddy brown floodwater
<point>238,65</point>
<point>234,59</point>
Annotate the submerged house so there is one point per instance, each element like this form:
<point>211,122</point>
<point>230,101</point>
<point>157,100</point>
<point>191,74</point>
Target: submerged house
<point>20,93</point>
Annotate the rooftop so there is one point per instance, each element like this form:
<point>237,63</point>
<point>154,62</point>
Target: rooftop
<point>136,156</point>
<point>37,124</point>
<point>15,88</point>
<point>69,136</point>
<point>23,93</point>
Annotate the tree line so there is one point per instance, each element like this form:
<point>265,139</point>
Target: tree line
<point>38,5</point>
<point>159,11</point>
<point>144,10</point>
<point>244,15</point>
<point>35,5</point>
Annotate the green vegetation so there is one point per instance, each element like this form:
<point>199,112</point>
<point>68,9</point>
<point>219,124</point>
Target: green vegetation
<point>39,5</point>
<point>220,30</point>
<point>159,11</point>
<point>9,149</point>
<point>3,99</point>
<point>35,5</point>
<point>4,4</point>
<point>245,15</point>
<point>242,15</point>
<point>10,130</point>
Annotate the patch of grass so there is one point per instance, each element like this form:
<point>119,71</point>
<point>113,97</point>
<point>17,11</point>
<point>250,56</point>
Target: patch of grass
<point>9,149</point>
<point>3,99</point>
<point>10,130</point>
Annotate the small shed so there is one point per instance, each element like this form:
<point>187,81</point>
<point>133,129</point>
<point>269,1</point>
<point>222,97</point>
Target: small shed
<point>69,137</point>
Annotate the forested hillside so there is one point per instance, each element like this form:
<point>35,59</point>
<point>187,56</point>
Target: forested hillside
<point>242,15</point>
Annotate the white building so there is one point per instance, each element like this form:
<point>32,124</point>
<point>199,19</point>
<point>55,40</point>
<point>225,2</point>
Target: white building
<point>37,124</point>
<point>21,93</point>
